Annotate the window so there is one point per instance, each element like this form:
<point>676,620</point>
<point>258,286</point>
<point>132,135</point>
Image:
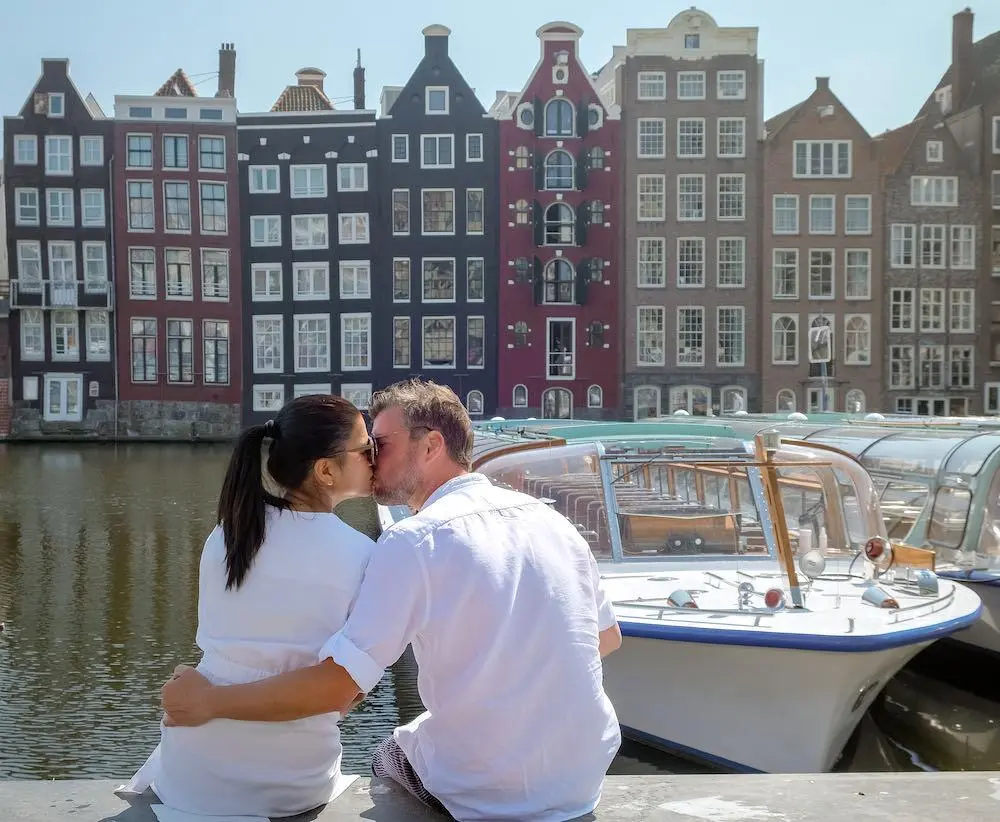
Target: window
<point>520,396</point>
<point>355,280</point>
<point>652,262</point>
<point>174,113</point>
<point>359,394</point>
<point>177,206</point>
<point>691,137</point>
<point>560,349</point>
<point>32,334</point>
<point>931,309</point>
<point>858,274</point>
<point>400,211</point>
<point>522,212</point>
<point>311,281</point>
<point>963,246</point>
<point>268,345</point>
<point>59,207</point>
<point>690,335</point>
<point>559,171</point>
<point>650,337</point>
<point>785,214</point>
<point>65,335</point>
<point>522,157</point>
<point>59,156</point>
<point>595,397</point>
<point>900,366</point>
<point>351,177</point>
<point>143,341</point>
<point>268,397</point>
<point>557,404</point>
<point>312,342</point>
<point>692,41</point>
<point>25,150</point>
<point>215,339</point>
<point>439,280</point>
<point>652,197</point>
<point>646,401</point>
<point>140,112</point>
<point>652,85</point>
<point>438,210</point>
<point>595,158</point>
<point>92,206</point>
<point>436,100</point>
<point>353,229</point>
<point>473,148</point>
<point>690,262</point>
<point>595,335</point>
<point>962,311</point>
<point>820,343</point>
<point>308,181</point>
<point>139,150</point>
<point>265,231</point>
<point>98,335</point>
<point>732,85</point>
<point>831,158</point>
<point>91,151</point>
<point>62,273</point>
<point>474,218</point>
<point>401,342</point>
<point>785,401</point>
<point>211,153</point>
<point>935,151</point>
<point>732,196</point>
<point>180,351</point>
<point>652,134</point>
<point>931,362</point>
<point>214,215</point>
<point>560,225</point>
<point>310,231</point>
<point>475,279</point>
<point>785,339</point>
<point>559,280</point>
<point>932,248</point>
<point>475,343</point>
<point>265,281</point>
<point>730,344</point>
<point>63,398</point>
<point>857,214</point>
<point>210,114</point>
<point>822,214</point>
<point>559,118</point>
<point>690,84</point>
<point>690,196</point>
<point>438,342</point>
<point>857,339</point>
<point>95,268</point>
<point>401,280</point>
<point>26,206</point>
<point>730,260</point>
<point>264,180</point>
<point>29,265</point>
<point>400,148</point>
<point>901,315</point>
<point>731,136</point>
<point>142,273</point>
<point>437,151</point>
<point>785,273</point>
<point>934,191</point>
<point>180,282</point>
<point>902,249</point>
<point>819,399</point>
<point>821,274</point>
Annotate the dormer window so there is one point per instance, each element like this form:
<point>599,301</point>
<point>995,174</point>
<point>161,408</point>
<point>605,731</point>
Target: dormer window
<point>692,41</point>
<point>436,100</point>
<point>935,151</point>
<point>57,105</point>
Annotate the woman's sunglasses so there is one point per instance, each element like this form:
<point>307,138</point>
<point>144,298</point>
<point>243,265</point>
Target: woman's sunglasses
<point>370,448</point>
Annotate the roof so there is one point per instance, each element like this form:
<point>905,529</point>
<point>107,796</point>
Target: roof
<point>302,98</point>
<point>779,121</point>
<point>178,85</point>
<point>985,84</point>
<point>893,145</point>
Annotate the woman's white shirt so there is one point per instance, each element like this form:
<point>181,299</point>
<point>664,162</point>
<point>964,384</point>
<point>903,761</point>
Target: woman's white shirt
<point>296,595</point>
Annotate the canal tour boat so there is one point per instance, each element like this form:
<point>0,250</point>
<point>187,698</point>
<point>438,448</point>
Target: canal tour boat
<point>762,605</point>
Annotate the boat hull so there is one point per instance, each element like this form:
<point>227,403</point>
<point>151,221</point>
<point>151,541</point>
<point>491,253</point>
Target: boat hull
<point>745,708</point>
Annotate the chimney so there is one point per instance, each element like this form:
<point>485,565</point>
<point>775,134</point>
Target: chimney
<point>822,84</point>
<point>359,84</point>
<point>227,71</point>
<point>436,40</point>
<point>310,77</point>
<point>961,58</point>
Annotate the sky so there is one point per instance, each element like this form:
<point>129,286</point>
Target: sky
<point>883,56</point>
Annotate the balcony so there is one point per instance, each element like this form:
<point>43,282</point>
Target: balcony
<point>34,293</point>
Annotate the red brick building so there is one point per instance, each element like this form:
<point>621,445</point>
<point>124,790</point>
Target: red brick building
<point>178,259</point>
<point>558,333</point>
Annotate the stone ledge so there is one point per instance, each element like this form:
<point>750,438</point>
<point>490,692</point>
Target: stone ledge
<point>902,797</point>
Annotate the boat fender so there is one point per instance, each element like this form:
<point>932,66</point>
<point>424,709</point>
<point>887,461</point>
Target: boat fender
<point>874,595</point>
<point>682,599</point>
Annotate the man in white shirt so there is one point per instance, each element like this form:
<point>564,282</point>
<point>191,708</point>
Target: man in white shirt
<point>501,600</point>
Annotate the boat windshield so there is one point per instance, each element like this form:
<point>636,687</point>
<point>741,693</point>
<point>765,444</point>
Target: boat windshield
<point>988,547</point>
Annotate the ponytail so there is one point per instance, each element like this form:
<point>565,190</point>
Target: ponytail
<point>242,503</point>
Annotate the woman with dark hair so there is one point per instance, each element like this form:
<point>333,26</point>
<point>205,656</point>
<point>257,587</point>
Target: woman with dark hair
<point>278,575</point>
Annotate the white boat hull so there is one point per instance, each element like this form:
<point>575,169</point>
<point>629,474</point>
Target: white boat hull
<point>776,710</point>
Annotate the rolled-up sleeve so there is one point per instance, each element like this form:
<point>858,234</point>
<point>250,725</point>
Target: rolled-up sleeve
<point>606,616</point>
<point>390,610</point>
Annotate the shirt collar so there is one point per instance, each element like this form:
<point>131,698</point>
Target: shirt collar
<point>454,484</point>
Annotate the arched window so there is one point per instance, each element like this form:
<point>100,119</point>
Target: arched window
<point>559,118</point>
<point>474,402</point>
<point>732,398</point>
<point>522,212</point>
<point>521,157</point>
<point>520,399</point>
<point>695,399</point>
<point>785,401</point>
<point>559,282</point>
<point>560,225</point>
<point>820,345</point>
<point>557,404</point>
<point>559,171</point>
<point>857,340</point>
<point>595,397</point>
<point>855,401</point>
<point>785,340</point>
<point>646,401</point>
<point>595,157</point>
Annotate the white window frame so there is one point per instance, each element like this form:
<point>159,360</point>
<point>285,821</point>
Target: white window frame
<point>357,176</point>
<point>957,245</point>
<point>548,352</point>
<point>423,210</point>
<point>652,336</point>
<point>211,169</point>
<point>651,78</point>
<point>32,334</point>
<point>92,223</point>
<point>308,244</point>
<point>704,206</point>
<point>833,274</point>
<point>700,362</point>
<point>91,141</point>
<point>691,243</point>
<point>97,284</point>
<point>867,359</point>
<point>867,198</point>
<point>399,323</point>
<point>848,268</point>
<point>774,273</point>
<point>742,195</point>
<point>353,236</point>
<point>201,207</point>
<point>59,110</point>
<point>907,321</point>
<point>470,156</point>
<point>258,179</point>
<point>832,200</point>
<point>902,236</point>
<point>741,243</point>
<point>719,348</point>
<point>431,112</point>
<point>991,390</point>
<point>20,207</point>
<point>651,197</point>
<point>651,273</point>
<point>278,358</point>
<point>742,133</point>
<point>960,299</point>
<point>266,269</point>
<point>742,75</point>
<point>312,188</point>
<point>681,121</point>
<point>72,353</point>
<point>360,315</point>
<point>53,140</point>
<point>654,391</point>
<point>362,285</point>
<point>405,158</point>
<point>691,77</point>
<point>321,366</point>
<point>268,221</point>
<point>268,397</point>
<point>925,190</point>
<point>834,165</point>
<point>774,214</point>
<point>437,150</point>
<point>21,142</point>
<point>358,394</point>
<point>935,321</point>
<point>64,380</point>
<point>932,234</point>
<point>934,150</point>
<point>93,332</point>
<point>314,291</point>
<point>798,338</point>
<point>306,389</point>
<point>656,133</point>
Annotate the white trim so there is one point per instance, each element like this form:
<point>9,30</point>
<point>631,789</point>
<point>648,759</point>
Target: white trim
<point>310,126</point>
<point>62,415</point>
<point>357,315</point>
<point>454,340</point>
<point>308,192</point>
<point>677,336</point>
<point>392,148</point>
<point>454,214</point>
<point>309,245</point>
<point>482,148</point>
<point>264,169</point>
<point>777,315</point>
<point>574,353</point>
<point>437,151</point>
<point>306,296</point>
<point>278,354</point>
<point>258,389</point>
<point>662,312</point>
<point>657,393</point>
<point>320,367</point>
<point>428,111</point>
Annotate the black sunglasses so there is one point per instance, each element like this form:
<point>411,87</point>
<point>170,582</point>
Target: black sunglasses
<point>370,448</point>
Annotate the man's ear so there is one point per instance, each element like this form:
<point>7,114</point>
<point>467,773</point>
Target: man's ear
<point>435,444</point>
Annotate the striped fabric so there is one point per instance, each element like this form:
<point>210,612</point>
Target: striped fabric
<point>389,762</point>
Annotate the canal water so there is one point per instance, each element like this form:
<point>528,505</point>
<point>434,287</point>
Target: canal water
<point>99,551</point>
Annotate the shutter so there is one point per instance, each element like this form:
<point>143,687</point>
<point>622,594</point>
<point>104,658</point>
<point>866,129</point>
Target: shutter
<point>582,118</point>
<point>582,281</point>
<point>581,170</point>
<point>538,159</point>
<point>538,282</point>
<point>582,222</point>
<point>539,118</point>
<point>538,221</point>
